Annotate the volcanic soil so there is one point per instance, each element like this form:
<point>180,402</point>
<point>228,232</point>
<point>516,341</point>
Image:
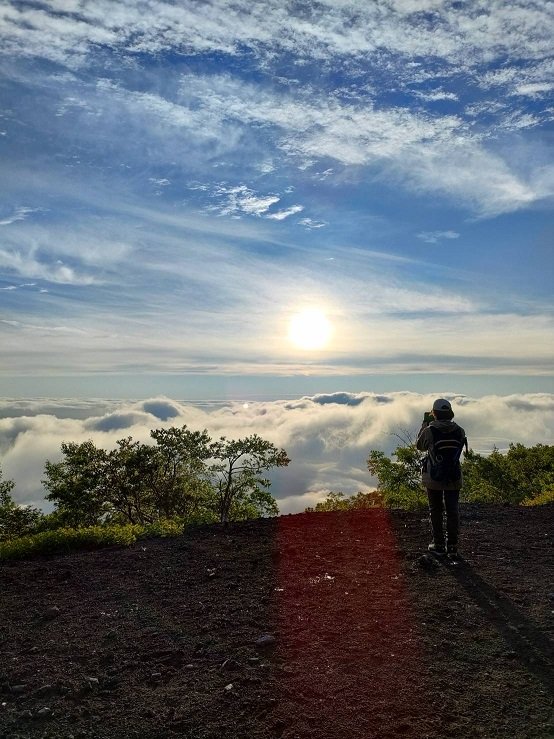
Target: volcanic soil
<point>321,625</point>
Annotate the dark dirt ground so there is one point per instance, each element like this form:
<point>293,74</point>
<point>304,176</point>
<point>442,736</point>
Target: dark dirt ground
<point>159,639</point>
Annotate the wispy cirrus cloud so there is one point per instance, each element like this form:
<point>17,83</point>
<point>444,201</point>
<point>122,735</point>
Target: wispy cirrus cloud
<point>19,214</point>
<point>433,237</point>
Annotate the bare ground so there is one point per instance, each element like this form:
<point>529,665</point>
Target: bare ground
<point>326,625</point>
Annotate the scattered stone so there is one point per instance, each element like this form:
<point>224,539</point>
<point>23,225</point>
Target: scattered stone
<point>93,681</point>
<point>230,664</point>
<point>26,714</point>
<point>189,667</point>
<point>18,689</point>
<point>156,675</point>
<point>266,640</point>
<point>229,687</point>
<point>253,660</point>
<point>45,690</point>
<point>550,596</point>
<point>52,612</point>
<point>44,712</point>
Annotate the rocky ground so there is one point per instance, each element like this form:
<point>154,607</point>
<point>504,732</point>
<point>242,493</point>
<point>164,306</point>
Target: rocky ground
<point>327,625</point>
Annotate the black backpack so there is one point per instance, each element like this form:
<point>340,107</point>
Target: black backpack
<point>444,455</point>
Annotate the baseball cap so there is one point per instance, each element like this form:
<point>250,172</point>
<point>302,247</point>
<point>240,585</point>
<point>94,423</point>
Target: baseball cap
<point>442,405</point>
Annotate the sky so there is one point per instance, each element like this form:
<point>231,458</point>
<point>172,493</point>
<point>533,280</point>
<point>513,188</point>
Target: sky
<point>305,220</point>
<point>185,183</point>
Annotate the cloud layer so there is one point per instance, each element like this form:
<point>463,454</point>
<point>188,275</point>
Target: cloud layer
<point>327,437</point>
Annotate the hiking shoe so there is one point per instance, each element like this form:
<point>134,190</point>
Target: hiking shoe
<point>437,548</point>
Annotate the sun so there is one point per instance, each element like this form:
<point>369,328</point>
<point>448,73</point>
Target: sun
<point>310,329</point>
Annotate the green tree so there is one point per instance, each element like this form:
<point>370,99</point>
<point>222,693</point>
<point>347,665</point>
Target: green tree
<point>124,484</point>
<point>74,484</point>
<point>15,520</point>
<point>179,472</point>
<point>399,482</point>
<point>236,475</point>
<point>521,473</point>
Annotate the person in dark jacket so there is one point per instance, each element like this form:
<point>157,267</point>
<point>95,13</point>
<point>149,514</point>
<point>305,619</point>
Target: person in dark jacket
<point>440,433</point>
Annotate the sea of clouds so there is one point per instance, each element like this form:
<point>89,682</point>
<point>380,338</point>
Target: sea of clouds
<point>327,436</point>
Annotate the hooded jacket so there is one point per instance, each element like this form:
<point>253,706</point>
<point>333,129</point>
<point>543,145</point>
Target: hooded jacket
<point>425,441</point>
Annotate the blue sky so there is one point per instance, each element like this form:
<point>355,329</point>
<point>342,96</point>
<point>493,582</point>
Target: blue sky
<point>181,180</point>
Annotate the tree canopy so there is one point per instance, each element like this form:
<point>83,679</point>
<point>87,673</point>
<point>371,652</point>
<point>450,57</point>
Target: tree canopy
<point>184,474</point>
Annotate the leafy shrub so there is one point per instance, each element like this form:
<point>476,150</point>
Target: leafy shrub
<point>65,540</point>
<point>543,498</point>
<point>163,527</point>
<point>340,502</point>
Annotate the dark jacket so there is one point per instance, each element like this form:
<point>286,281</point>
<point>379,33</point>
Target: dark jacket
<point>425,440</point>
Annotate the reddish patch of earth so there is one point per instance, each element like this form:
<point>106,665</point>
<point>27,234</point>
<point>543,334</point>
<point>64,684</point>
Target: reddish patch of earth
<point>369,639</point>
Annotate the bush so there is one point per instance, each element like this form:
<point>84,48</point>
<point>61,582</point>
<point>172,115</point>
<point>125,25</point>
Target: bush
<point>543,498</point>
<point>340,502</point>
<point>65,540</point>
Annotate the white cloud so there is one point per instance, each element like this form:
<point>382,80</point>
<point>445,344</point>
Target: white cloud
<point>25,263</point>
<point>433,237</point>
<point>534,89</point>
<point>20,214</point>
<point>311,223</point>
<point>240,199</point>
<point>280,215</point>
<point>327,437</point>
<point>473,34</point>
<point>433,95</point>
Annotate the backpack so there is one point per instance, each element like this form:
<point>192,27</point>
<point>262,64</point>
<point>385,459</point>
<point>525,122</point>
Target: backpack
<point>444,455</point>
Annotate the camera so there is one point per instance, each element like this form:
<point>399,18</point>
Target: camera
<point>428,417</point>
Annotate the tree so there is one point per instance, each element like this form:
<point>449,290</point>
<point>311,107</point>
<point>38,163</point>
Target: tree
<point>124,482</point>
<point>15,520</point>
<point>239,489</point>
<point>399,482</point>
<point>520,474</point>
<point>178,476</point>
<point>74,485</point>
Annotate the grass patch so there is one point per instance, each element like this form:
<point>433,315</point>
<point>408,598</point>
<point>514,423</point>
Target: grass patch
<point>65,540</point>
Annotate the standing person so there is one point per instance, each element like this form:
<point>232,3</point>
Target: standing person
<point>443,440</point>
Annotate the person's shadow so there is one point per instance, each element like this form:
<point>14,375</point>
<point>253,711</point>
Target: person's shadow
<point>531,645</point>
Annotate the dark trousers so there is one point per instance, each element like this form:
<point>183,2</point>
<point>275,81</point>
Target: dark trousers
<point>438,500</point>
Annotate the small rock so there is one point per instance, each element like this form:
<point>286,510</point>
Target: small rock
<point>26,714</point>
<point>156,675</point>
<point>189,667</point>
<point>18,689</point>
<point>266,640</point>
<point>44,712</point>
<point>93,681</point>
<point>45,690</point>
<point>229,664</point>
<point>550,596</point>
<point>229,687</point>
<point>253,660</point>
<point>52,612</point>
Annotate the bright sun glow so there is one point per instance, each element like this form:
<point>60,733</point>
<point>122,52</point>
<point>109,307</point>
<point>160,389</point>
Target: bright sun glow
<point>310,329</point>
